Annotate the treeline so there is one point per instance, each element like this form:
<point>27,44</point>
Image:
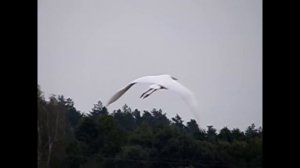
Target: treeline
<point>130,138</point>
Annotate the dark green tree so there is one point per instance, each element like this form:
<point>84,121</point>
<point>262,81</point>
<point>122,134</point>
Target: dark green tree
<point>126,138</point>
<point>251,131</point>
<point>178,122</point>
<point>87,133</point>
<point>211,133</point>
<point>159,119</point>
<point>124,119</point>
<point>225,135</point>
<point>98,110</point>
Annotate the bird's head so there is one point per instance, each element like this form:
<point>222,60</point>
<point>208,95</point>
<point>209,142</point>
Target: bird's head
<point>170,76</point>
<point>173,78</point>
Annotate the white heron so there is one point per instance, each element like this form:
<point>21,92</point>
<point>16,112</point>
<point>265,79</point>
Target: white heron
<point>159,82</point>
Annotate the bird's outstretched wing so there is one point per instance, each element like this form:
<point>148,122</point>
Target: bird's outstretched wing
<point>117,95</point>
<point>144,79</point>
<point>187,96</point>
<point>184,93</point>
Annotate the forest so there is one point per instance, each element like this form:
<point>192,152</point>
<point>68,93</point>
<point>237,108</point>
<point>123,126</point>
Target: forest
<point>127,138</point>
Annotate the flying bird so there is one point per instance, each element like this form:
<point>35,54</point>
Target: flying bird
<point>160,82</point>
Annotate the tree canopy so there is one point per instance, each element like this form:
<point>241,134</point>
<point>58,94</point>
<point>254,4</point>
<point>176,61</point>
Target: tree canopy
<point>124,138</point>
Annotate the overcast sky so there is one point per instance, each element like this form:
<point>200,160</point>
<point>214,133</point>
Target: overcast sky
<point>88,49</point>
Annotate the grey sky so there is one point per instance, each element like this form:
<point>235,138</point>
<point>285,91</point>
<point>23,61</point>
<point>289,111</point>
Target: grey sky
<point>88,49</point>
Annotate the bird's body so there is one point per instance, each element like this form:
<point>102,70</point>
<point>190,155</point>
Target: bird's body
<point>157,83</point>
